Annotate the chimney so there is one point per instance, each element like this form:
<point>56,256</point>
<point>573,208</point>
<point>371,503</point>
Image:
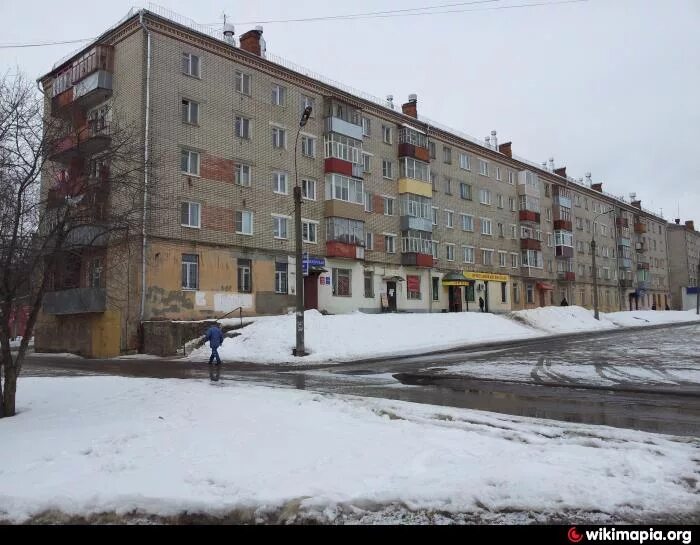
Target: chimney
<point>411,107</point>
<point>690,225</point>
<point>551,164</point>
<point>505,149</point>
<point>229,31</point>
<point>597,187</point>
<point>561,171</point>
<point>637,204</point>
<point>250,41</point>
<point>494,140</point>
<point>678,221</point>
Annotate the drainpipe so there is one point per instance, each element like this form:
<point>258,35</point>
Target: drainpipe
<point>145,167</point>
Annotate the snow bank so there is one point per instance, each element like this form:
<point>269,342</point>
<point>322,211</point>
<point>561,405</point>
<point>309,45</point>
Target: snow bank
<point>96,444</point>
<point>650,317</point>
<point>562,319</point>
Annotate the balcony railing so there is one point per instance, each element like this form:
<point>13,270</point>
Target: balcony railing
<point>563,225</point>
<point>340,126</point>
<point>564,251</point>
<point>88,140</point>
<point>416,259</point>
<point>640,247</point>
<point>416,224</point>
<point>640,228</point>
<point>530,244</point>
<point>529,215</point>
<point>75,301</point>
<point>626,283</point>
<point>567,276</point>
<point>621,222</point>
<point>335,248</point>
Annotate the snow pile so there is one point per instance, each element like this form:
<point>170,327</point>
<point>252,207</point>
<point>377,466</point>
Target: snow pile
<point>562,319</point>
<point>96,444</point>
<point>346,337</point>
<point>650,317</point>
<point>18,340</point>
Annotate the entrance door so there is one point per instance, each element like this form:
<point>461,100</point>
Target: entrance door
<point>542,292</point>
<point>311,291</point>
<point>391,295</point>
<point>455,298</point>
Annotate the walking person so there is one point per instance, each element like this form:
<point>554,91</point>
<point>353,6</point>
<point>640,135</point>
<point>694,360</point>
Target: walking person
<point>481,304</point>
<point>216,338</point>
<point>564,302</point>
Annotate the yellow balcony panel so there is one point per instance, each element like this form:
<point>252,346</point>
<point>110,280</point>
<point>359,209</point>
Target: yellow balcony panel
<point>416,187</point>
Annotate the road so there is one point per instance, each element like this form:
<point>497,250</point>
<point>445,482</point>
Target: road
<point>619,396</point>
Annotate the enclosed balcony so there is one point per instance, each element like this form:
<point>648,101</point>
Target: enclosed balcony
<point>342,118</point>
<point>563,251</point>
<point>530,244</point>
<point>640,247</point>
<point>345,238</point>
<point>335,248</point>
<point>75,301</point>
<point>621,222</point>
<point>626,283</point>
<point>563,225</point>
<point>85,141</point>
<point>640,228</point>
<point>416,248</point>
<point>566,276</point>
<point>413,143</point>
<point>625,263</point>
<point>529,215</point>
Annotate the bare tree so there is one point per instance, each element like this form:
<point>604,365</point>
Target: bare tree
<point>50,214</point>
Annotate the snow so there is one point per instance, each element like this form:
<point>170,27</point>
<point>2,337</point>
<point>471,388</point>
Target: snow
<point>348,337</point>
<point>18,340</point>
<point>101,444</point>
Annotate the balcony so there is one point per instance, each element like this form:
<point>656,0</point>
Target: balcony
<point>621,222</point>
<point>416,187</point>
<point>336,248</point>
<point>624,241</point>
<point>640,247</point>
<point>642,265</point>
<point>338,166</point>
<point>75,301</point>
<point>529,215</point>
<point>625,263</point>
<point>416,224</point>
<point>564,251</point>
<point>560,200</point>
<point>530,244</point>
<point>93,90</point>
<point>567,276</point>
<point>415,259</point>
<point>343,209</point>
<point>640,228</point>
<point>563,225</point>
<point>417,152</point>
<point>340,126</point>
<point>88,140</point>
<point>626,283</point>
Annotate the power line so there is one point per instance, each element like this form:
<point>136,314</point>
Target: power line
<point>42,44</point>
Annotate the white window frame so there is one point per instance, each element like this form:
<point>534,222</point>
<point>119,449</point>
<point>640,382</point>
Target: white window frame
<point>468,250</point>
<point>486,222</point>
<point>243,214</point>
<point>449,219</point>
<point>242,127</point>
<point>239,174</point>
<point>484,253</point>
<point>483,167</point>
<point>308,145</point>
<point>309,187</point>
<point>487,194</point>
<point>190,111</point>
<point>278,222</point>
<point>190,205</point>
<point>514,260</point>
<point>449,251</point>
<point>388,200</point>
<point>278,133</point>
<point>279,95</point>
<point>389,238</point>
<point>435,214</point>
<point>277,176</point>
<point>186,281</point>
<point>502,259</point>
<point>470,219</point>
<point>305,226</point>
<point>369,240</point>
<point>190,154</point>
<point>387,134</point>
<point>465,162</point>
<point>187,70</point>
<point>243,82</point>
<point>366,126</point>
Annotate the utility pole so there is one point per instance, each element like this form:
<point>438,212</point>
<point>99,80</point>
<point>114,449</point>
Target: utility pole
<point>697,289</point>
<point>299,350</point>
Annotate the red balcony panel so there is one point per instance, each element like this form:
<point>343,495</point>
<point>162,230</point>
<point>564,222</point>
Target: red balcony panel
<point>569,276</point>
<point>341,249</point>
<point>530,244</point>
<point>416,259</point>
<point>563,225</point>
<point>643,266</point>
<point>338,166</point>
<point>529,215</point>
<point>417,152</point>
<point>621,222</point>
<point>60,104</point>
<point>640,228</point>
<point>564,251</point>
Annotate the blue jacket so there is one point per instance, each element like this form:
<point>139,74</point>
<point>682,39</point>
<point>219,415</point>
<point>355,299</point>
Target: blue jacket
<point>215,337</point>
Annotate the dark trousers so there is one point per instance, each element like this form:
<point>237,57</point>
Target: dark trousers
<point>215,354</point>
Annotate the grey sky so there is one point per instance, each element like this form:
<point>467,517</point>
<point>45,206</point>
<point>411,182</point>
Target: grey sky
<point>607,86</point>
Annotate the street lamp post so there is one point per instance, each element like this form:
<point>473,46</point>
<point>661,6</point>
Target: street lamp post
<point>595,269</point>
<point>299,350</point>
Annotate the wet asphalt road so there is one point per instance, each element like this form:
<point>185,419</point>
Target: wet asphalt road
<point>624,401</point>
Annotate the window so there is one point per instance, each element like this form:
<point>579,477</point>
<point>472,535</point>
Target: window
<point>468,254</point>
<point>242,82</point>
<point>279,95</point>
<point>342,188</point>
<point>486,257</point>
<point>244,276</point>
<point>309,231</point>
<point>550,240</point>
<point>242,127</point>
<point>486,226</point>
<point>369,201</point>
<point>190,65</point>
<point>241,174</point>
<point>500,230</point>
<point>279,182</point>
<point>369,284</point>
<point>281,277</point>
<point>189,162</point>
<point>279,226</point>
<point>366,162</point>
<point>418,170</point>
<point>94,279</point>
<point>465,191</point>
<point>446,155</point>
<point>502,259</point>
<point>549,265</point>
<point>548,214</point>
<point>432,150</point>
<point>390,244</point>
<point>511,181</point>
<point>464,161</point>
<point>436,288</point>
<point>189,214</point>
<point>450,252</point>
<point>530,291</point>
<point>529,203</point>
<point>588,226</point>
<point>387,134</point>
<point>308,189</point>
<point>467,222</point>
<point>341,282</point>
<point>387,169</point>
<point>345,230</point>
<point>190,111</point>
<point>547,190</point>
<point>389,206</point>
<point>577,200</point>
<point>448,186</point>
<point>412,286</point>
<point>516,293</point>
<point>307,101</point>
<point>436,212</point>
<point>579,223</point>
<point>504,292</point>
<point>499,200</point>
<point>449,218</point>
<point>366,126</point>
<point>514,260</point>
<point>434,249</point>
<point>190,271</point>
<point>244,222</point>
<point>485,196</point>
<point>498,173</point>
<point>433,180</point>
<point>483,167</point>
<point>279,137</point>
<point>511,204</point>
<point>308,146</point>
<point>369,241</point>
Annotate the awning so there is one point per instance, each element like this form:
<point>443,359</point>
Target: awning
<point>544,286</point>
<point>455,279</point>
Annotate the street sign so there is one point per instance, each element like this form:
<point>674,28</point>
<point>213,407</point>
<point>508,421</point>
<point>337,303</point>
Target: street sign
<point>311,262</point>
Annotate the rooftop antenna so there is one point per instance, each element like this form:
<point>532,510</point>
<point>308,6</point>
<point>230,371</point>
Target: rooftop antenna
<point>228,31</point>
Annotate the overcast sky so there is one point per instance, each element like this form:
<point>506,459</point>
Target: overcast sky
<point>606,86</point>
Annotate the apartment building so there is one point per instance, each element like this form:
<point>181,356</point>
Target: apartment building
<point>399,213</point>
<point>684,258</point>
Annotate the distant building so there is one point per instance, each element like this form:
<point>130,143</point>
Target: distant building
<point>683,255</point>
